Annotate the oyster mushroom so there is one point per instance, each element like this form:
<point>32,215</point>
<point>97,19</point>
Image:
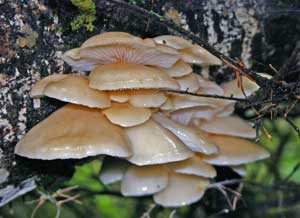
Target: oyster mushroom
<point>179,69</point>
<point>74,131</point>
<point>129,76</point>
<point>147,98</point>
<point>72,89</point>
<point>188,83</point>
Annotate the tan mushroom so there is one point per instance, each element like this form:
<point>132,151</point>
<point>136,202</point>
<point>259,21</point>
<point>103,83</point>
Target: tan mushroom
<point>234,151</point>
<point>181,190</point>
<point>126,115</point>
<point>179,69</point>
<point>147,98</point>
<point>188,83</point>
<point>232,126</point>
<point>73,131</point>
<point>173,41</point>
<point>152,144</point>
<point>129,76</point>
<point>71,88</point>
<point>144,180</point>
<point>231,88</point>
<point>119,96</point>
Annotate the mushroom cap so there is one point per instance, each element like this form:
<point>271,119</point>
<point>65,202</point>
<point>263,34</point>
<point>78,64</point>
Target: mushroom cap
<point>147,98</point>
<point>126,115</point>
<point>112,170</point>
<point>193,166</point>
<point>65,134</point>
<point>191,137</point>
<point>173,41</point>
<point>234,151</point>
<point>188,83</point>
<point>72,89</point>
<point>168,105</point>
<point>181,190</point>
<point>120,96</point>
<point>152,144</point>
<point>179,69</point>
<point>231,88</point>
<point>232,126</point>
<point>240,170</point>
<point>199,56</point>
<point>209,87</point>
<point>145,180</point>
<point>129,76</point>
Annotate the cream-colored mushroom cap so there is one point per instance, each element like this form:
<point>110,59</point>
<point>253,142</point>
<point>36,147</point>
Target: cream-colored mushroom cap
<point>173,41</point>
<point>188,83</point>
<point>198,55</point>
<point>191,137</point>
<point>193,166</point>
<point>179,69</point>
<point>233,126</point>
<point>231,88</point>
<point>209,87</point>
<point>126,115</point>
<point>72,89</point>
<point>144,180</point>
<point>129,76</point>
<point>181,190</point>
<point>120,96</point>
<point>152,144</point>
<point>147,98</point>
<point>235,151</point>
<point>113,170</point>
<point>73,131</point>
<point>168,105</point>
<point>240,170</point>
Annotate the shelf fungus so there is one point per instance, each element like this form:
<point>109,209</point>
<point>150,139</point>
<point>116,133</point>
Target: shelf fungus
<point>155,143</point>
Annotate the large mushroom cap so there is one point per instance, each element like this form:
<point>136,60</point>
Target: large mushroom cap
<point>192,138</point>
<point>193,166</point>
<point>152,144</point>
<point>126,115</point>
<point>235,151</point>
<point>145,180</point>
<point>232,126</point>
<point>72,89</point>
<point>181,190</point>
<point>73,132</point>
<point>129,76</point>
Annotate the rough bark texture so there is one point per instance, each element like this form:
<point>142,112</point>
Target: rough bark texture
<point>34,34</point>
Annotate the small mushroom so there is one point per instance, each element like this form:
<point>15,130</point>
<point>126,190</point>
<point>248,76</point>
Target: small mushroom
<point>193,166</point>
<point>72,89</point>
<point>119,96</point>
<point>145,180</point>
<point>73,131</point>
<point>129,76</point>
<point>173,41</point>
<point>234,151</point>
<point>231,88</point>
<point>126,115</point>
<point>232,126</point>
<point>147,98</point>
<point>181,190</point>
<point>152,144</point>
<point>188,83</point>
<point>179,69</point>
<point>113,170</point>
<point>210,87</point>
<point>240,170</point>
<point>192,138</point>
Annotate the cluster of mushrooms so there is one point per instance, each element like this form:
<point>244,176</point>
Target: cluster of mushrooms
<point>155,143</point>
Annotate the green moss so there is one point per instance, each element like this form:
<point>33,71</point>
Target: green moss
<point>87,15</point>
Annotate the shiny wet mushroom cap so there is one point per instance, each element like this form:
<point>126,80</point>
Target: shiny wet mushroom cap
<point>73,131</point>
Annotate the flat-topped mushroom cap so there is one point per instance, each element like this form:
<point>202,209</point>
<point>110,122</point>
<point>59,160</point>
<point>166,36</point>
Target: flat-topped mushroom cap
<point>129,76</point>
<point>210,87</point>
<point>181,190</point>
<point>173,41</point>
<point>113,170</point>
<point>152,144</point>
<point>147,98</point>
<point>199,56</point>
<point>193,166</point>
<point>38,89</point>
<point>234,151</point>
<point>126,115</point>
<point>112,38</point>
<point>119,96</point>
<point>185,116</point>
<point>191,137</point>
<point>179,69</point>
<point>232,126</point>
<point>231,88</point>
<point>240,170</point>
<point>145,180</point>
<point>72,89</point>
<point>188,83</point>
<point>73,131</point>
